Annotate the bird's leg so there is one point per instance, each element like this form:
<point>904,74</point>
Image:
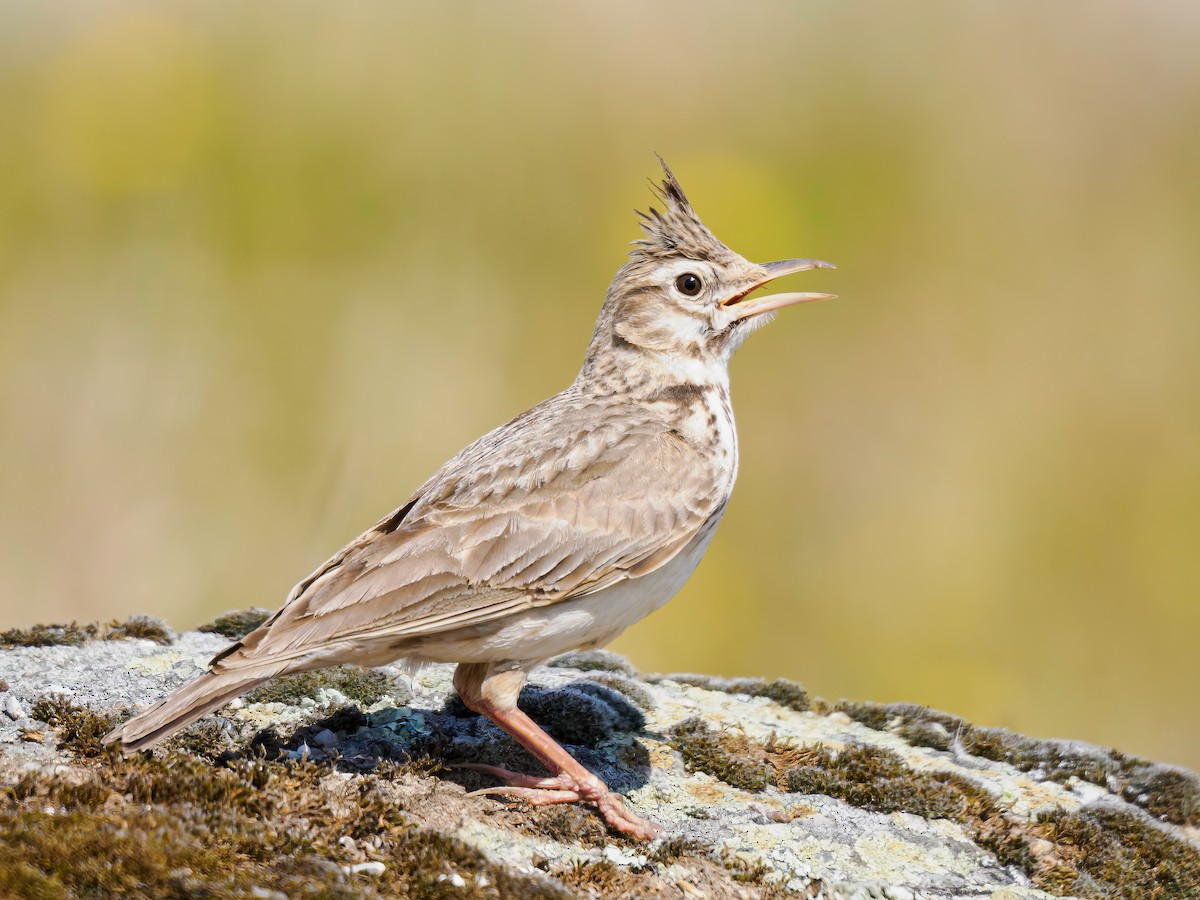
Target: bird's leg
<point>569,782</point>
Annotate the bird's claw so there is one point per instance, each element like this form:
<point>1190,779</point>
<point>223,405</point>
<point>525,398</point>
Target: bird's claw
<point>563,788</point>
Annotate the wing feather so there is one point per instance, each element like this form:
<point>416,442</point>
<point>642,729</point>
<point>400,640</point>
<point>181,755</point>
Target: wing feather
<point>561,502</point>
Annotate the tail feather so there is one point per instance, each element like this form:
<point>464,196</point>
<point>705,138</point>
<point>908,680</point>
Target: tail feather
<point>206,693</point>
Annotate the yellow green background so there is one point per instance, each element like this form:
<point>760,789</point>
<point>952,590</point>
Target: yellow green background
<point>263,267</point>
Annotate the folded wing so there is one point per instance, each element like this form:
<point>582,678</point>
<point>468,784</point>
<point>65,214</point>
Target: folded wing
<point>561,502</point>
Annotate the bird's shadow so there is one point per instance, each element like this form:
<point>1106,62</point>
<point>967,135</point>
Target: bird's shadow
<point>595,723</point>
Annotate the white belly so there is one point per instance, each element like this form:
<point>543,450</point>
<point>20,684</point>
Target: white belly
<point>584,622</point>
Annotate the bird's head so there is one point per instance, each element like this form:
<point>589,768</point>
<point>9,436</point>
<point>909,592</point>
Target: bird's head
<point>683,302</point>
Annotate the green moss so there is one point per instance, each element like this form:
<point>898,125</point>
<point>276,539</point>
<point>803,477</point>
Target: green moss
<point>78,728</point>
<point>729,756</point>
<point>1171,795</point>
<point>207,738</point>
<point>1112,853</point>
<point>1168,794</point>
<point>568,823</point>
<point>709,873</point>
<point>363,686</point>
<point>237,623</point>
<point>1093,853</point>
<point>672,849</point>
<point>74,634</point>
<point>877,779</point>
<point>71,634</point>
<point>602,878</point>
<point>174,826</point>
<point>781,690</point>
<point>139,627</point>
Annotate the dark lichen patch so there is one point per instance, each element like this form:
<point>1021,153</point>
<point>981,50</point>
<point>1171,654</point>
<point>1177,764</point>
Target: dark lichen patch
<point>72,634</point>
<point>594,661</point>
<point>784,692</point>
<point>78,728</point>
<point>363,686</point>
<point>176,826</point>
<point>1172,795</point>
<point>236,623</point>
<point>143,627</point>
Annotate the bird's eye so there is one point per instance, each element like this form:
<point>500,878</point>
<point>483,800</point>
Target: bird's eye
<point>689,284</point>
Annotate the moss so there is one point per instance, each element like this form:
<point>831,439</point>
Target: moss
<point>1097,852</point>
<point>594,661</point>
<point>208,738</point>
<point>707,873</point>
<point>139,627</point>
<point>781,690</point>
<point>363,686</point>
<point>79,729</point>
<point>600,879</point>
<point>174,826</point>
<point>568,823</point>
<point>731,757</point>
<point>237,623</point>
<point>877,779</point>
<point>1117,854</point>
<point>1168,794</point>
<point>672,849</point>
<point>71,634</point>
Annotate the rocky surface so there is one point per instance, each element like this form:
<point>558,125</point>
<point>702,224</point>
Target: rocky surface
<point>343,784</point>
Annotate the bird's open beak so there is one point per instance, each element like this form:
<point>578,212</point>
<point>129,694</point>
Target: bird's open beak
<point>757,305</point>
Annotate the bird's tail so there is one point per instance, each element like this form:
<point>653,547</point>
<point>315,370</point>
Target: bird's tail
<point>175,711</point>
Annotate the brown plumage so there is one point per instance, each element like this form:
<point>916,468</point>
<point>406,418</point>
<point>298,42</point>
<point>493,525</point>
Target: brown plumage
<point>555,531</point>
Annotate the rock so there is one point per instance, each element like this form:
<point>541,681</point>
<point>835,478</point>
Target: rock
<point>12,708</point>
<point>760,789</point>
<point>367,868</point>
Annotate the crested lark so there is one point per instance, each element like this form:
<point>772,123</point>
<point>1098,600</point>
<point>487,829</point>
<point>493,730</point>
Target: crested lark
<point>554,532</point>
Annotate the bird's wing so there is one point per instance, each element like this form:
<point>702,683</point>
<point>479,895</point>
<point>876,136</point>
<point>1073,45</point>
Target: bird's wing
<point>560,502</point>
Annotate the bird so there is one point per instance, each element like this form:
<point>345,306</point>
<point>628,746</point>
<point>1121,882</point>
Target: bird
<point>554,532</point>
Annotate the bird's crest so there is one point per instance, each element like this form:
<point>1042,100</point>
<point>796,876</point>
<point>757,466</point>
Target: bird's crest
<point>677,230</point>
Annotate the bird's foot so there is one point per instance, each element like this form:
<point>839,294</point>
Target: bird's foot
<point>564,788</point>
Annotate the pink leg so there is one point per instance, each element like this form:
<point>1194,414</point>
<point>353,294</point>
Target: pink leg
<point>571,782</point>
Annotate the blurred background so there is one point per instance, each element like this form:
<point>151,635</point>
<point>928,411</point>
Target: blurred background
<point>263,268</point>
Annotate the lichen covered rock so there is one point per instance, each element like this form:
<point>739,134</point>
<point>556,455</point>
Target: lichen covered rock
<point>346,783</point>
